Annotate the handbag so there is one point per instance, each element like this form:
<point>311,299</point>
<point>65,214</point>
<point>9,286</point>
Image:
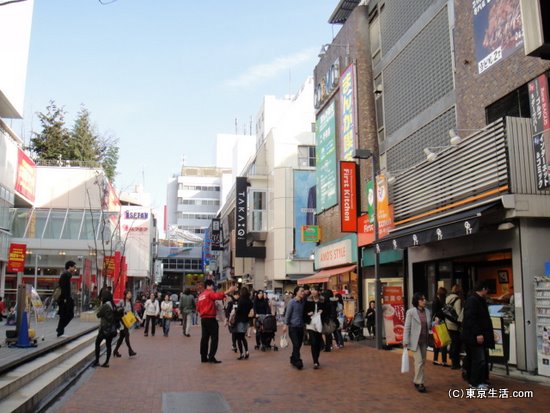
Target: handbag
<point>283,343</point>
<point>316,324</point>
<point>329,327</point>
<point>441,335</point>
<point>129,319</point>
<point>405,361</point>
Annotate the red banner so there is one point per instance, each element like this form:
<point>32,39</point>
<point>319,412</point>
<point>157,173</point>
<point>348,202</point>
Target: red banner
<point>16,258</point>
<point>348,196</point>
<point>26,175</point>
<point>393,312</point>
<point>365,231</point>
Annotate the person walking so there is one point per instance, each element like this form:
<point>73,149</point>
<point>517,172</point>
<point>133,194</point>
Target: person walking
<point>341,318</point>
<point>454,300</point>
<point>232,303</point>
<point>243,307</point>
<point>294,324</point>
<point>315,304</point>
<point>478,336</point>
<point>166,314</point>
<point>124,334</point>
<point>439,318</point>
<point>261,309</point>
<point>330,315</point>
<point>152,309</point>
<point>65,301</point>
<point>415,337</point>
<point>206,306</point>
<point>107,328</point>
<point>187,306</point>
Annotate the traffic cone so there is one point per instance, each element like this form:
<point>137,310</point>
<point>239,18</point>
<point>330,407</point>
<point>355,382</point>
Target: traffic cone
<point>23,336</point>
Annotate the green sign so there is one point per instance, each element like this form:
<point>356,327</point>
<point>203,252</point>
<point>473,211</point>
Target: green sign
<point>311,233</point>
<point>370,200</point>
<point>325,139</point>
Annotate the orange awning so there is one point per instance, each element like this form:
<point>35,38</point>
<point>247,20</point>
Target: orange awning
<point>324,275</point>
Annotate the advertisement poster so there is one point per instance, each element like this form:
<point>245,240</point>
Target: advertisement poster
<point>36,303</point>
<point>304,210</point>
<point>498,30</point>
<point>26,175</point>
<point>393,312</point>
<point>16,258</point>
<point>498,351</point>
<point>347,102</point>
<point>325,139</point>
<point>541,146</point>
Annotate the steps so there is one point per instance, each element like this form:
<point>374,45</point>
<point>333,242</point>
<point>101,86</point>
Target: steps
<point>29,387</point>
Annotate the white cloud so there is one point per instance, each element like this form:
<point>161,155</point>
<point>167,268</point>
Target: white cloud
<point>264,71</point>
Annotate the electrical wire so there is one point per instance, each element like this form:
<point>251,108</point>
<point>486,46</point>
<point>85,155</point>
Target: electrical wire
<point>5,3</point>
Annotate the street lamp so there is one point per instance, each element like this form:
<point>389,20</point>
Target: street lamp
<point>366,154</point>
<point>36,258</point>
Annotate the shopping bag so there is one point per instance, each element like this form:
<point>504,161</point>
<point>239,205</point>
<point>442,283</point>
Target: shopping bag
<point>129,319</point>
<point>441,335</point>
<point>283,343</point>
<point>405,361</point>
<point>316,324</point>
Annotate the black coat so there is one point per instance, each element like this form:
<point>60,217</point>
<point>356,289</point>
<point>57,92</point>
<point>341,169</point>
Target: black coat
<point>477,322</point>
<point>310,307</point>
<point>437,306</point>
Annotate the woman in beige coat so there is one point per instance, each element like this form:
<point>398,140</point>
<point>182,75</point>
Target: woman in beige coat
<point>415,337</point>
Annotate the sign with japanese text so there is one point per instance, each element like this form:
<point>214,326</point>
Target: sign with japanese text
<point>325,139</point>
<point>216,236</point>
<point>498,30</point>
<point>305,199</point>
<point>393,312</point>
<point>541,144</point>
<point>348,196</point>
<point>384,212</point>
<point>365,231</point>
<point>347,105</point>
<point>25,180</point>
<point>540,121</point>
<point>16,258</point>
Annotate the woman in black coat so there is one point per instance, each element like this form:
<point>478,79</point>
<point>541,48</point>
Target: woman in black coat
<point>314,304</point>
<point>243,307</point>
<point>107,328</point>
<point>439,317</point>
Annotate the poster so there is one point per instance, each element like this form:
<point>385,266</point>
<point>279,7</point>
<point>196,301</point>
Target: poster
<point>304,211</point>
<point>36,303</point>
<point>347,104</point>
<point>498,330</point>
<point>393,312</point>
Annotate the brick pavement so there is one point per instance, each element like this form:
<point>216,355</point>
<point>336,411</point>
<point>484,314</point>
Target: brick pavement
<point>355,379</point>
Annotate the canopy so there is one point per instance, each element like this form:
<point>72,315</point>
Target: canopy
<point>324,275</point>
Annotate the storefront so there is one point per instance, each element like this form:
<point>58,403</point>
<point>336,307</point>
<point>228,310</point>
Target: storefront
<point>336,265</point>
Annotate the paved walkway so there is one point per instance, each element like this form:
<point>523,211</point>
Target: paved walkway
<point>167,376</point>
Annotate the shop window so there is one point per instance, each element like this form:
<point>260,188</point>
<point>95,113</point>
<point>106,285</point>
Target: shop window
<point>257,210</point>
<point>514,104</point>
<point>306,156</point>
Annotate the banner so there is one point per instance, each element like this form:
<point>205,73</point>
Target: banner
<point>304,212</point>
<point>216,236</point>
<point>16,258</point>
<point>348,196</point>
<point>347,104</point>
<point>325,139</point>
<point>541,146</point>
<point>539,104</point>
<point>26,176</point>
<point>393,312</point>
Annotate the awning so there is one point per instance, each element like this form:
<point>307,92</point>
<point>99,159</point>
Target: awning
<point>452,226</point>
<point>324,275</point>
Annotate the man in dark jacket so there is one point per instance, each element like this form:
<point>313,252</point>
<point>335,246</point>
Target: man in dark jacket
<point>65,301</point>
<point>478,336</point>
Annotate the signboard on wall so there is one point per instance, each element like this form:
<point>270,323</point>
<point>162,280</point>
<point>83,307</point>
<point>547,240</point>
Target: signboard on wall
<point>25,180</point>
<point>304,211</point>
<point>16,258</point>
<point>242,249</point>
<point>393,312</point>
<point>498,30</point>
<point>539,104</point>
<point>216,235</point>
<point>339,252</point>
<point>347,104</point>
<point>348,196</point>
<point>325,139</point>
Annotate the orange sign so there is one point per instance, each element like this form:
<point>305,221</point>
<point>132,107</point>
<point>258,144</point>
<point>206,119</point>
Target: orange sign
<point>26,175</point>
<point>365,231</point>
<point>384,213</point>
<point>16,258</point>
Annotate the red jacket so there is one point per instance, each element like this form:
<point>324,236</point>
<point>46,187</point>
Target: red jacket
<point>206,303</point>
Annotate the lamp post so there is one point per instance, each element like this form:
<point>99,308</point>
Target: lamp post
<point>366,154</point>
<point>36,258</point>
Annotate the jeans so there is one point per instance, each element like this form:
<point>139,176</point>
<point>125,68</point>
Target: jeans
<point>338,337</point>
<point>98,340</point>
<point>296,335</point>
<point>210,331</point>
<point>443,351</point>
<point>186,322</point>
<point>166,326</point>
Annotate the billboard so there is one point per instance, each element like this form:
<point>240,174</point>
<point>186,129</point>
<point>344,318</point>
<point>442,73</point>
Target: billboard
<point>135,230</point>
<point>25,180</point>
<point>498,30</point>
<point>325,139</point>
<point>347,104</point>
<point>304,210</point>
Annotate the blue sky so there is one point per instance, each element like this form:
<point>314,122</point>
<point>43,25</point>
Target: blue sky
<point>165,76</point>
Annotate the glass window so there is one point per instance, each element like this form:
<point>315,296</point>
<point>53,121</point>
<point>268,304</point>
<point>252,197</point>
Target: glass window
<point>54,226</point>
<point>20,221</point>
<point>90,225</point>
<point>72,225</point>
<point>515,104</point>
<point>306,156</point>
<point>37,223</point>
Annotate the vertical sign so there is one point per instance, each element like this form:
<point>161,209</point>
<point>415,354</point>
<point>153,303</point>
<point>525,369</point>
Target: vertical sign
<point>241,211</point>
<point>347,104</point>
<point>215,235</point>
<point>26,175</point>
<point>540,121</point>
<point>16,258</point>
<point>498,30</point>
<point>384,214</point>
<point>325,139</point>
<point>393,312</point>
<point>348,196</point>
<point>304,210</point>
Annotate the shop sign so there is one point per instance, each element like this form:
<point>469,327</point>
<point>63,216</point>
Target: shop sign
<point>241,217</point>
<point>327,84</point>
<point>539,103</point>
<point>215,237</point>
<point>325,139</point>
<point>26,176</point>
<point>348,196</point>
<point>337,253</point>
<point>305,199</point>
<point>347,104</point>
<point>365,231</point>
<point>541,144</point>
<point>393,312</point>
<point>16,258</point>
<point>311,233</point>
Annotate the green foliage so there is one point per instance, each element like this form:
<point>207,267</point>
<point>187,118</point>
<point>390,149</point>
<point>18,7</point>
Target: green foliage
<point>82,143</point>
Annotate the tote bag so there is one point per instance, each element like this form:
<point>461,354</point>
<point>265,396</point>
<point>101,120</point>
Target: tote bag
<point>405,361</point>
<point>129,319</point>
<point>441,335</point>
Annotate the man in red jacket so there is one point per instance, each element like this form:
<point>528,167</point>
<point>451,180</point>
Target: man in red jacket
<point>206,306</point>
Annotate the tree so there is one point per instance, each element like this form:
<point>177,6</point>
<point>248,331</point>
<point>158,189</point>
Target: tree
<point>83,143</point>
<point>51,142</point>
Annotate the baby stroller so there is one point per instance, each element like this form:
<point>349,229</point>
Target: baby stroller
<point>266,325</point>
<point>355,327</point>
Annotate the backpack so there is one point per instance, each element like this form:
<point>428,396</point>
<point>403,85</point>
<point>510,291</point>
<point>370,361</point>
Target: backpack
<point>449,312</point>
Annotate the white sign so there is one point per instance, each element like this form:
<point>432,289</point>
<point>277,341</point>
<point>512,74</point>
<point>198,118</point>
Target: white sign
<point>338,253</point>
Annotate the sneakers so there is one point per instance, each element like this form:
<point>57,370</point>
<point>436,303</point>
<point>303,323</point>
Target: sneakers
<point>483,386</point>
